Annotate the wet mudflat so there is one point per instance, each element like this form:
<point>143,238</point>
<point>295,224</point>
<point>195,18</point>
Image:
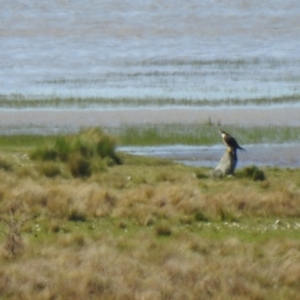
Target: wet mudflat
<point>73,119</point>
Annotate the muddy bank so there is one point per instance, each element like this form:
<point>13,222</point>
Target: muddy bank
<point>74,119</point>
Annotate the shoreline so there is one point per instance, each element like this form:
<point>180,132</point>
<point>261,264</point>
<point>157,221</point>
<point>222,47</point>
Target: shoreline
<point>70,118</point>
<point>262,155</point>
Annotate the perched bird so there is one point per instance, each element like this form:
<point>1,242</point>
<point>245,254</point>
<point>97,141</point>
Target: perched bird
<point>230,141</point>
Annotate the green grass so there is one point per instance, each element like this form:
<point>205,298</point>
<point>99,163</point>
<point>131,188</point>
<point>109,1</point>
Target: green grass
<point>17,141</point>
<point>169,134</point>
<point>204,134</point>
<point>252,172</point>
<point>144,229</point>
<point>20,102</point>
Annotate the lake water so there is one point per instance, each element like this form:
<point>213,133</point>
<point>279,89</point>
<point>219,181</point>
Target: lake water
<point>263,155</point>
<point>209,49</point>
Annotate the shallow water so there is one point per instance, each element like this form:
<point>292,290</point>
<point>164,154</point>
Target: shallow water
<point>267,155</point>
<point>199,50</point>
<point>209,49</point>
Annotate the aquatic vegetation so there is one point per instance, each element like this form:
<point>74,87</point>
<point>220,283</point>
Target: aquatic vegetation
<point>235,63</point>
<point>21,102</point>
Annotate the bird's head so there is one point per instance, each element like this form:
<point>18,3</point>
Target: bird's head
<point>222,132</point>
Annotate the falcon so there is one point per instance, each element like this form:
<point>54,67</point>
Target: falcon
<point>230,141</point>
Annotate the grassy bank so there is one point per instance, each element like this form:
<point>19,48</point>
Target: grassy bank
<point>204,134</point>
<point>171,134</point>
<point>142,229</point>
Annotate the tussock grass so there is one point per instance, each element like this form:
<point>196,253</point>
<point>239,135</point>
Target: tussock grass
<point>6,164</point>
<point>50,169</point>
<point>252,172</point>
<point>13,244</point>
<point>90,150</point>
<point>79,166</point>
<point>147,229</point>
<point>163,229</point>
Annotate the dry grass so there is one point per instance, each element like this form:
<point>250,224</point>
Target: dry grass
<point>147,229</point>
<point>182,267</point>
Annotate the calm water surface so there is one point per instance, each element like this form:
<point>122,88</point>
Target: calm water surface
<point>210,49</point>
<point>199,50</point>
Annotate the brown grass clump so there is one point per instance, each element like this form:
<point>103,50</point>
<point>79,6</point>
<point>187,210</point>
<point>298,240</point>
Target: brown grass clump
<point>13,243</point>
<point>50,169</point>
<point>79,165</point>
<point>163,229</point>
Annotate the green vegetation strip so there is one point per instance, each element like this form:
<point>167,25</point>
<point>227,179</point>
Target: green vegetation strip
<point>21,102</point>
<point>204,134</point>
<point>171,134</point>
<point>233,63</point>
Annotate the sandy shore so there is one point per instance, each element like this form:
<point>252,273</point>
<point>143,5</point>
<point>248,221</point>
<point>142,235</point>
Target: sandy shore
<point>114,118</point>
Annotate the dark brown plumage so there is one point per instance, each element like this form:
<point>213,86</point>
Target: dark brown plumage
<point>230,141</point>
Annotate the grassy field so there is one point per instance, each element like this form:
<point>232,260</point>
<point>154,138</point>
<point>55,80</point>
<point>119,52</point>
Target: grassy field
<point>80,221</point>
